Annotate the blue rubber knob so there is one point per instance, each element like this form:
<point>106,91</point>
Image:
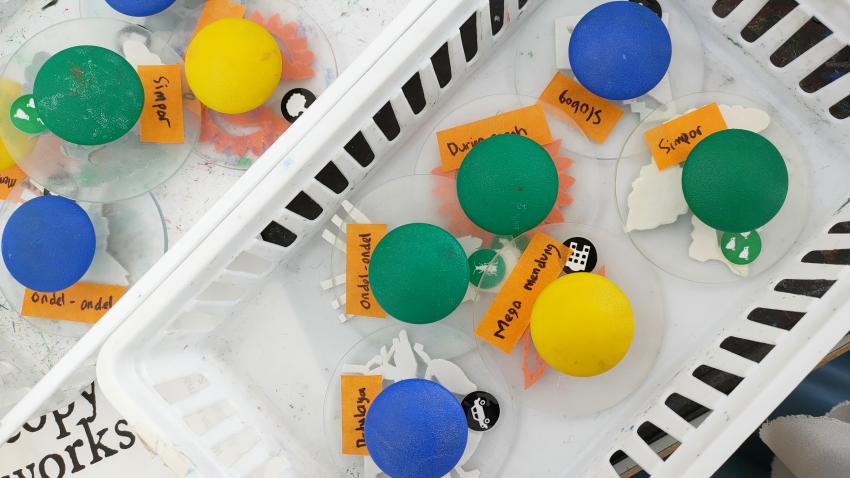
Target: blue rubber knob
<point>48,243</point>
<point>620,50</point>
<point>416,429</point>
<point>139,8</point>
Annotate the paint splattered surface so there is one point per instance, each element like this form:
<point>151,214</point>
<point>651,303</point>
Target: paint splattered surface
<point>350,26</point>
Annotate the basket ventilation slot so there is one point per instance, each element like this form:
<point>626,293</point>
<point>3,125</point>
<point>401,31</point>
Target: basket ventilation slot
<point>469,37</point>
<point>497,16</point>
<point>442,65</point>
<point>686,408</point>
<point>832,69</point>
<point>834,256</point>
<point>781,319</point>
<point>360,150</point>
<point>650,434</point>
<point>277,234</point>
<point>766,18</point>
<point>414,94</point>
<point>305,206</point>
<point>722,8</point>
<point>810,34</point>
<point>387,122</point>
<point>749,349</point>
<point>808,287</point>
<point>332,178</point>
<point>717,379</point>
<point>840,228</point>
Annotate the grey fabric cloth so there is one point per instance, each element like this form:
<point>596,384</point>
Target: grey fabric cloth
<point>807,446</point>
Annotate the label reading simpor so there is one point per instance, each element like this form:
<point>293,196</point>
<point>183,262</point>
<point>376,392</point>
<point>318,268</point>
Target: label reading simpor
<point>162,116</point>
<point>357,394</point>
<point>82,302</point>
<point>360,241</point>
<point>455,143</point>
<point>670,143</point>
<point>509,315</point>
<point>595,116</point>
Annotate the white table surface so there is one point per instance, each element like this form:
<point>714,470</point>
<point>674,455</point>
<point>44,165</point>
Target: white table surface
<point>350,26</point>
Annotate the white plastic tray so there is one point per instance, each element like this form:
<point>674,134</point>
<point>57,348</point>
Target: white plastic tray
<point>223,358</point>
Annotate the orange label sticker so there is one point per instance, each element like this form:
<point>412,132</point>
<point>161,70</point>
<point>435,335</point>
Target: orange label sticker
<point>455,143</point>
<point>8,179</point>
<point>357,394</point>
<point>670,143</point>
<point>217,10</point>
<point>509,315</point>
<point>595,116</point>
<point>360,241</point>
<point>162,116</point>
<point>82,302</point>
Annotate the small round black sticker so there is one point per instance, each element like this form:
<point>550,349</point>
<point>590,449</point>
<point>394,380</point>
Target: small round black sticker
<point>583,258</point>
<point>650,4</point>
<point>482,410</point>
<point>295,102</point>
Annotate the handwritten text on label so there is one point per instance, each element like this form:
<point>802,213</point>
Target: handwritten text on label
<point>162,116</point>
<point>357,394</point>
<point>360,241</point>
<point>455,143</point>
<point>82,302</point>
<point>595,116</point>
<point>509,315</point>
<point>670,143</point>
<point>8,179</point>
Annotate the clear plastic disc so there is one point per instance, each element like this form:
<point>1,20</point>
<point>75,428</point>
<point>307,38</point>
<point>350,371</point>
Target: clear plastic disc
<point>439,353</point>
<point>409,199</point>
<point>582,195</point>
<point>671,247</point>
<point>236,141</point>
<point>566,396</point>
<point>130,238</point>
<point>536,64</point>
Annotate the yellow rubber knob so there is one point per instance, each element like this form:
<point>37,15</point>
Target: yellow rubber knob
<point>582,324</point>
<point>17,144</point>
<point>233,65</point>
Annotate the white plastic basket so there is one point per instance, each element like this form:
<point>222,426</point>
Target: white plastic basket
<point>221,355</point>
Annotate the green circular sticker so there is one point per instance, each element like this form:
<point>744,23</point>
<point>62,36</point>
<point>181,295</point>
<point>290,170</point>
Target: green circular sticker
<point>740,248</point>
<point>735,180</point>
<point>25,117</point>
<point>88,95</point>
<point>419,273</point>
<point>507,184</point>
<point>484,271</point>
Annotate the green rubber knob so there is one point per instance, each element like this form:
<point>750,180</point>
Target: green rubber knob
<point>88,95</point>
<point>735,181</point>
<point>419,273</point>
<point>507,184</point>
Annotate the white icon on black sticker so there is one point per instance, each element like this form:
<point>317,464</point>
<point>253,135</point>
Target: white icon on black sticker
<point>481,409</point>
<point>295,102</point>
<point>583,257</point>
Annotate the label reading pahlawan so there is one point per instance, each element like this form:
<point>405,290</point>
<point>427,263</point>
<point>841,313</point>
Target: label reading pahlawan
<point>357,394</point>
<point>455,143</point>
<point>82,302</point>
<point>509,315</point>
<point>595,116</point>
<point>360,241</point>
